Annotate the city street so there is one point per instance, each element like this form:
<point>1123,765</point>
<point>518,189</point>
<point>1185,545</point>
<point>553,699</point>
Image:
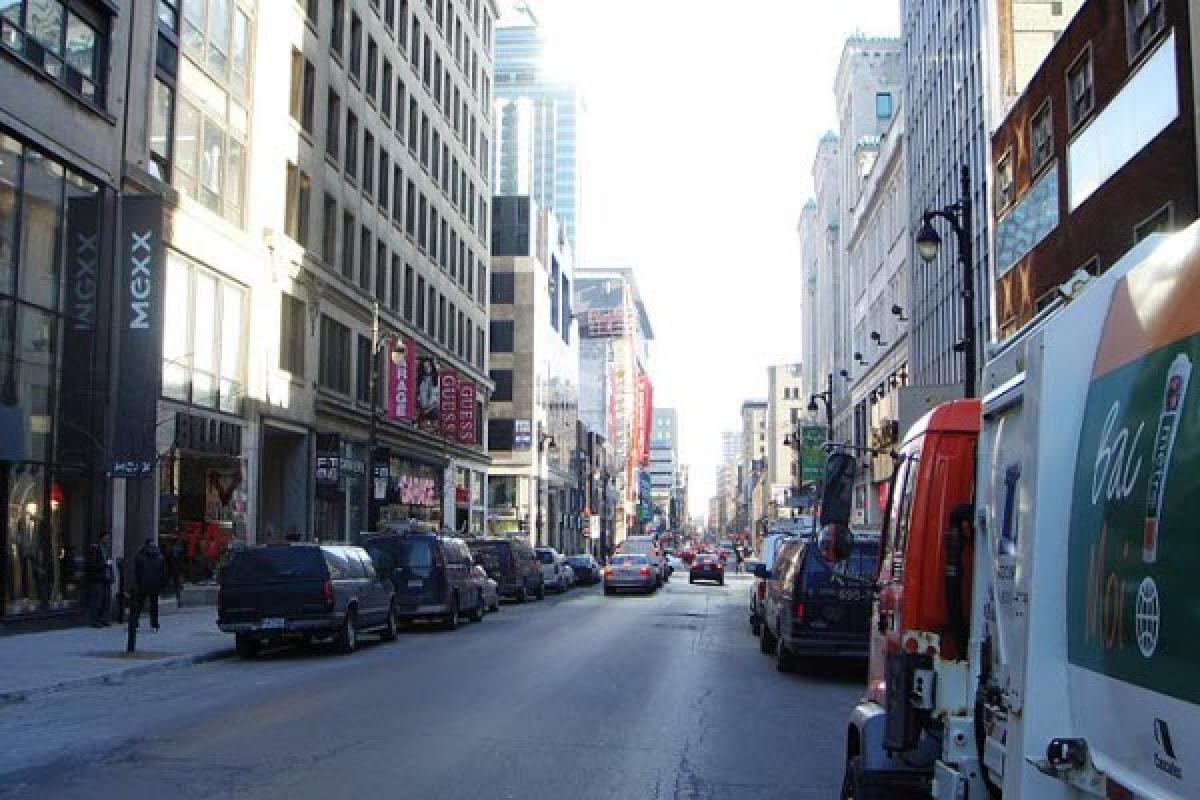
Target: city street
<point>581,696</point>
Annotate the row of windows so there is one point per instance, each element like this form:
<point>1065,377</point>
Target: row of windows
<point>363,170</point>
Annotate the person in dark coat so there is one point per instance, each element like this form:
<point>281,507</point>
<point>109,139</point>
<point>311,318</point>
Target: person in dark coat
<point>94,583</point>
<point>150,578</point>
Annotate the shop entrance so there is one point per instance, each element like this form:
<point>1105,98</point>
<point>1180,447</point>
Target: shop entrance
<point>202,513</point>
<point>283,487</point>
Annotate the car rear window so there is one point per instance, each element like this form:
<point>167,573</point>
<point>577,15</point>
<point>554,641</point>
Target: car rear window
<point>579,561</point>
<point>630,559</point>
<point>864,558</point>
<point>274,564</point>
<point>492,555</point>
<point>706,558</point>
<point>545,556</point>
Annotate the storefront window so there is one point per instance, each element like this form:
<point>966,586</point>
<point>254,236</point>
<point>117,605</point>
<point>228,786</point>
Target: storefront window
<point>42,209</point>
<point>415,491</point>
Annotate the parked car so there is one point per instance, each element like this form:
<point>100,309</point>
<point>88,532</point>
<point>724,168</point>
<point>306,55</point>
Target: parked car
<point>431,573</point>
<point>816,607</point>
<point>553,573</point>
<point>707,567</point>
<point>758,591</point>
<point>487,584</point>
<point>303,592</point>
<point>587,570</point>
<point>630,571</point>
<point>513,565</point>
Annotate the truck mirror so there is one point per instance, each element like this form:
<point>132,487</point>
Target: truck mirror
<point>761,571</point>
<point>838,492</point>
<point>835,542</point>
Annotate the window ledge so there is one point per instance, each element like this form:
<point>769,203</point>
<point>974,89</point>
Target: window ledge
<point>41,76</point>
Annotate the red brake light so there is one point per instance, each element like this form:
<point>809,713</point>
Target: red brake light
<point>645,570</point>
<point>608,570</point>
<point>720,565</point>
<point>798,610</point>
<point>327,591</point>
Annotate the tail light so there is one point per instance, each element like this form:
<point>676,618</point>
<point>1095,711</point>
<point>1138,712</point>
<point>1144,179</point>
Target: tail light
<point>720,565</point>
<point>644,570</point>
<point>327,591</point>
<point>798,610</point>
<point>608,571</point>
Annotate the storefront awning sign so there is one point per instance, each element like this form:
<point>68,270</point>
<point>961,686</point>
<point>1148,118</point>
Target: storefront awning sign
<point>401,399</point>
<point>448,397</point>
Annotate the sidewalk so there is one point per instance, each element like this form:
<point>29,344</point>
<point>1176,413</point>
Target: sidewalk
<point>33,664</point>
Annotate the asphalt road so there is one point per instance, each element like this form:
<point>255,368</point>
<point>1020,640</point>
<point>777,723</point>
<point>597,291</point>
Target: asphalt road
<point>578,697</point>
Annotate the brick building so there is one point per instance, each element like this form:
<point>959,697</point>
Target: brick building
<point>1098,153</point>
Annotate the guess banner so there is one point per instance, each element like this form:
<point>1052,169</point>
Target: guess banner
<point>142,273</point>
<point>401,398</point>
<point>449,403</point>
<point>466,412</point>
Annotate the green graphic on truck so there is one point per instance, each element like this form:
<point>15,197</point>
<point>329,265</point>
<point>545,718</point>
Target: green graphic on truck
<point>1133,605</point>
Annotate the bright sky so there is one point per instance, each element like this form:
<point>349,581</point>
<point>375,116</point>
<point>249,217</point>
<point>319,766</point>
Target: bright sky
<point>704,119</point>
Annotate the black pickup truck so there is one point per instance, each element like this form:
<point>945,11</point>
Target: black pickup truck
<point>303,592</point>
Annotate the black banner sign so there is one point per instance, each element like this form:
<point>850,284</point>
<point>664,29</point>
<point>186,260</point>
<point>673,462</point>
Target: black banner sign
<point>329,452</point>
<point>207,435</point>
<point>76,440</point>
<point>142,273</point>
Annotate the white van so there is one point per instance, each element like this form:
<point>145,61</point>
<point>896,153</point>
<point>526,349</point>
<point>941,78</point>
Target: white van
<point>647,546</point>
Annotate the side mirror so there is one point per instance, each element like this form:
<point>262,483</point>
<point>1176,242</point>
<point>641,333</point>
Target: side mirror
<point>835,542</point>
<point>761,571</point>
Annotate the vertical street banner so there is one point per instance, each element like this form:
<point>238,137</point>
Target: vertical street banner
<point>141,266</point>
<point>449,403</point>
<point>812,453</point>
<point>78,405</point>
<point>401,399</point>
<point>466,412</point>
<point>427,393</point>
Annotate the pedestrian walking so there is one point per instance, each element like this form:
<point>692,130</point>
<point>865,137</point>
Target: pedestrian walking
<point>150,577</point>
<point>740,556</point>
<point>175,558</point>
<point>96,586</point>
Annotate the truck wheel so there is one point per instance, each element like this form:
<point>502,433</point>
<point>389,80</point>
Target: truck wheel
<point>477,614</point>
<point>853,787</point>
<point>246,645</point>
<point>347,640</point>
<point>766,641</point>
<point>391,628</point>
<point>784,660</point>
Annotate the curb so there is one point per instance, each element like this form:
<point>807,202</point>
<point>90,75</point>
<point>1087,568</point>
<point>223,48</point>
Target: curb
<point>118,677</point>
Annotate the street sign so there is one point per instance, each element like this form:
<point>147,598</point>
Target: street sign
<point>812,453</point>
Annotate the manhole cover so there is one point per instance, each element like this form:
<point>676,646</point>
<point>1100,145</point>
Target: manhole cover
<point>137,655</point>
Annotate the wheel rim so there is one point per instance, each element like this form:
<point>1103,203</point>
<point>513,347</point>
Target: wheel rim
<point>351,634</point>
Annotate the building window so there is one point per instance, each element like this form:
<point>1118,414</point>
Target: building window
<point>1144,20</point>
<point>1080,97</point>
<point>334,368</point>
<point>1041,135</point>
<point>364,259</point>
<point>381,272</point>
<point>362,383</point>
<point>333,124</point>
<point>291,335</point>
<point>162,136</point>
<point>1004,182</point>
<point>504,288</point>
<point>296,211</point>
<point>329,231</point>
<point>419,295</point>
<point>883,105</point>
<point>501,334</point>
<point>384,192</point>
<point>217,38</point>
<point>348,231</point>
<point>66,41</point>
<point>394,284</point>
<point>351,165</point>
<point>338,26</point>
<point>431,320</point>
<point>372,67</point>
<point>368,166</point>
<point>210,157</point>
<point>203,360</point>
<point>355,46</point>
<point>1159,222</point>
<point>385,92</point>
<point>441,329</point>
<point>408,293</point>
<point>304,79</point>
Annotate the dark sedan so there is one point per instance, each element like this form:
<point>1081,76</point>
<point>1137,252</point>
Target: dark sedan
<point>707,567</point>
<point>587,570</point>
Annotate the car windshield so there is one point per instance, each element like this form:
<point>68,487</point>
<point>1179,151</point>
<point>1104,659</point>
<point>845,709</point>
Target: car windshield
<point>579,561</point>
<point>629,559</point>
<point>706,558</point>
<point>274,564</point>
<point>545,556</point>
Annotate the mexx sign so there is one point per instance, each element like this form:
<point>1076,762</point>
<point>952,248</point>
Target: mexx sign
<point>142,272</point>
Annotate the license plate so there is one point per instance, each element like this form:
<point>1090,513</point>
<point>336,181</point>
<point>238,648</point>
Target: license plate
<point>272,624</point>
<point>416,584</point>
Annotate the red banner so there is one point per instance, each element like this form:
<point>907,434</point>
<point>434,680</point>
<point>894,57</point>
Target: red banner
<point>466,412</point>
<point>448,412</point>
<point>401,400</point>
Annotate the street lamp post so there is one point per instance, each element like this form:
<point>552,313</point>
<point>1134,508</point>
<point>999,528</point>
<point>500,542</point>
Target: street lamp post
<point>826,397</point>
<point>378,342</point>
<point>928,242</point>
